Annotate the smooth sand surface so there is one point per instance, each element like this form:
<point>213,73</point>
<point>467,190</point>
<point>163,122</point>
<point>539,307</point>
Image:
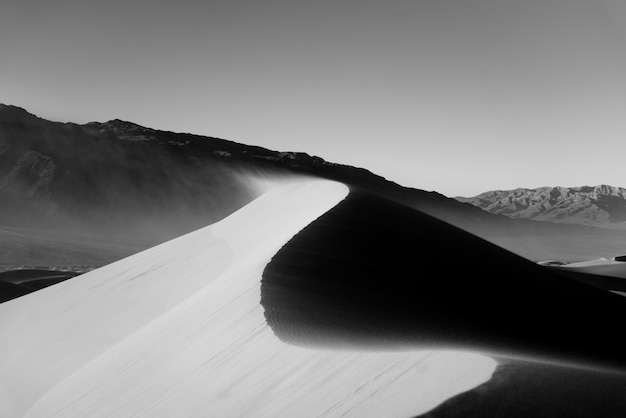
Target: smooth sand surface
<point>178,330</point>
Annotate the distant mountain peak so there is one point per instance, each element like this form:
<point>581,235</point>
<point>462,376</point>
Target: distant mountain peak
<point>122,129</point>
<point>119,124</point>
<point>600,205</point>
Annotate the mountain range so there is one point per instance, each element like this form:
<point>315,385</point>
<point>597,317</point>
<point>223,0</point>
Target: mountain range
<point>600,205</point>
<point>86,195</point>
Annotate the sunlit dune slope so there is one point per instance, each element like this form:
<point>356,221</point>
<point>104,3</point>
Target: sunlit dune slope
<point>373,273</point>
<point>178,330</point>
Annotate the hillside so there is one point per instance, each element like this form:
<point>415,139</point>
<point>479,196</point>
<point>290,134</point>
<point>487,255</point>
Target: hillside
<point>127,187</point>
<point>91,194</point>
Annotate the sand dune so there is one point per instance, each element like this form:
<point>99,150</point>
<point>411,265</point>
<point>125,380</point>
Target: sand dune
<point>601,273</point>
<point>178,330</point>
<point>393,277</point>
<point>597,276</point>
<point>602,267</point>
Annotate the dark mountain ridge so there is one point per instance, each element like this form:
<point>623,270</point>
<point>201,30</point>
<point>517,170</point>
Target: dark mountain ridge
<point>65,171</point>
<point>143,186</point>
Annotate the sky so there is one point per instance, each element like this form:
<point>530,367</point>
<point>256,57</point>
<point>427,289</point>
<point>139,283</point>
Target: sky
<point>456,96</point>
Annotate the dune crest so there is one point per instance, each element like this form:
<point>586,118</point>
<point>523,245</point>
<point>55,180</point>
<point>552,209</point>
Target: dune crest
<point>178,330</point>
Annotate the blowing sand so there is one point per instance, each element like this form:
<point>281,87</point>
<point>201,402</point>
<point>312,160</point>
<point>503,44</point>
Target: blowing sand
<point>178,330</point>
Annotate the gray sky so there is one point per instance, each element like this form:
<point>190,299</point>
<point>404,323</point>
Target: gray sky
<point>457,96</point>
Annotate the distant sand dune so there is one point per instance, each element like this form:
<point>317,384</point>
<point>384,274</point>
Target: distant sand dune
<point>608,268</point>
<point>178,330</point>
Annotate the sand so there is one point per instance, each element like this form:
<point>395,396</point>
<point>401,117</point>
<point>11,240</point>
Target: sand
<point>601,273</point>
<point>521,389</point>
<point>602,267</point>
<point>16,283</point>
<point>371,272</point>
<point>178,330</point>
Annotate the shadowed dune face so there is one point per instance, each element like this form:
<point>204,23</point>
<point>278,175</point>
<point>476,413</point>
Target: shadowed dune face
<point>17,283</point>
<point>374,274</point>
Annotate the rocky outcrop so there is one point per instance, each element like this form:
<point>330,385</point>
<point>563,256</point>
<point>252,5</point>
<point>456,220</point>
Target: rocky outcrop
<point>33,172</point>
<point>30,179</point>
